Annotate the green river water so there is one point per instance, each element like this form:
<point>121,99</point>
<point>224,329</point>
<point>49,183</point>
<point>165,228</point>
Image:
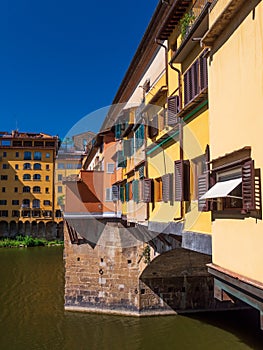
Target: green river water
<point>32,315</point>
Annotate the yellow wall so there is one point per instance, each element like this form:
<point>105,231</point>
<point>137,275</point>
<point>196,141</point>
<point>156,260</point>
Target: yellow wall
<point>236,104</point>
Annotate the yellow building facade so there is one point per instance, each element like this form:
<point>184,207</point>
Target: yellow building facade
<point>27,202</point>
<point>235,43</point>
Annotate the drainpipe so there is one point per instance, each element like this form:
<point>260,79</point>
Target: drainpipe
<point>158,42</point>
<point>180,133</point>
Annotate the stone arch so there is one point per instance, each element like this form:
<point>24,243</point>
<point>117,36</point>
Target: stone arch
<point>27,228</point>
<point>51,230</point>
<point>3,228</point>
<point>13,228</point>
<point>41,229</point>
<point>20,228</point>
<point>177,280</point>
<point>34,229</point>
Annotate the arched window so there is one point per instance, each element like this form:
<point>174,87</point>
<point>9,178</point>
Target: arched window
<point>36,177</point>
<point>36,203</point>
<point>26,203</point>
<point>26,189</point>
<point>37,166</point>
<point>27,166</point>
<point>36,189</point>
<point>26,177</point>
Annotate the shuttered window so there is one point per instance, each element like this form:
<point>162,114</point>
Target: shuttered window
<point>135,190</point>
<point>195,79</point>
<point>173,108</point>
<point>115,192</point>
<point>127,193</point>
<point>128,147</point>
<point>141,171</point>
<point>248,186</point>
<point>121,160</point>
<point>122,194</point>
<point>139,137</point>
<point>203,181</point>
<point>147,190</point>
<point>166,187</point>
<point>182,180</point>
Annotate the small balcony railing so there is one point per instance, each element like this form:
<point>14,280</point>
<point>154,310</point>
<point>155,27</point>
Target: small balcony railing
<point>190,17</point>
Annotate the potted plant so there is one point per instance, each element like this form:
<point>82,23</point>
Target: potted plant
<point>186,22</point>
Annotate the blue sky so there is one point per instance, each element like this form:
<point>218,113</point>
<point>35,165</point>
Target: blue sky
<point>61,60</point>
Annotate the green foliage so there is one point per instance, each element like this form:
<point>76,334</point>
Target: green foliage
<point>146,254</point>
<point>185,22</point>
<point>27,241</point>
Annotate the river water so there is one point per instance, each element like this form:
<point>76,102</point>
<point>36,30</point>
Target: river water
<point>32,316</point>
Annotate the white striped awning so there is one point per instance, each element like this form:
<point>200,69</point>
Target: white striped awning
<point>222,189</point>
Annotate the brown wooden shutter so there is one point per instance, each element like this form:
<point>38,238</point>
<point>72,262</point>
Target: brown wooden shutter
<point>248,186</point>
<point>258,192</point>
<point>187,79</point>
<point>115,193</point>
<point>173,106</point>
<point>204,184</point>
<point>203,187</point>
<point>147,190</point>
<point>203,73</point>
<point>166,187</point>
<point>182,180</point>
<point>179,180</point>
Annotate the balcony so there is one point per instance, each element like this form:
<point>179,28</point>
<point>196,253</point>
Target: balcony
<point>194,25</point>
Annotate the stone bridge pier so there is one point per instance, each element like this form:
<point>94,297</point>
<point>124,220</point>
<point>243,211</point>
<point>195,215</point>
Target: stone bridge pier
<point>110,269</point>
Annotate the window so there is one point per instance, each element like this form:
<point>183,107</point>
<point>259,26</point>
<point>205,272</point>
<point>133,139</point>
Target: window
<point>26,213</point>
<point>236,186</point>
<point>167,187</point>
<point>110,168</point>
<point>47,166</point>
<point>27,155</point>
<point>47,178</point>
<point>4,177</point>
<point>15,202</point>
<point>17,154</point>
<point>6,143</point>
<point>182,180</point>
<point>5,166</point>
<point>195,79</point>
<point>59,189</point>
<point>4,154</point>
<point>16,189</point>
<point>37,155</point>
<point>61,166</point>
<point>27,166</point>
<point>36,177</point>
<point>47,155</point>
<point>26,203</point>
<point>47,213</point>
<point>3,202</point>
<point>58,213</point>
<point>4,213</point>
<point>158,189</point>
<point>59,177</point>
<point>199,168</point>
<point>147,190</point>
<point>36,189</point>
<point>3,189</point>
<point>139,137</point>
<point>37,166</point>
<point>115,193</point>
<point>36,213</point>
<point>15,213</point>
<point>26,189</point>
<point>16,177</point>
<point>26,177</point>
<point>36,203</point>
<point>46,202</point>
<point>16,166</point>
<point>109,194</point>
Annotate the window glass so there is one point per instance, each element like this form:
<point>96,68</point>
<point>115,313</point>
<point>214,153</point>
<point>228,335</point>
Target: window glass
<point>27,155</point>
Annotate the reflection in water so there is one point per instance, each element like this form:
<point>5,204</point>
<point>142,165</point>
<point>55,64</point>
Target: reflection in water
<point>32,316</point>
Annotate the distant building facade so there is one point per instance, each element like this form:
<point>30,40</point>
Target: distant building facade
<point>27,202</point>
